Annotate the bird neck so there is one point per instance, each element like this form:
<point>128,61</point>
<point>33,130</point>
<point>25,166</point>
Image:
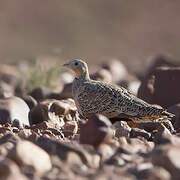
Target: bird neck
<point>83,75</point>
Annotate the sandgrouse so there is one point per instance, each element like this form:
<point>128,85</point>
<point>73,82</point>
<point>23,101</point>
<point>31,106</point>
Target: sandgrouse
<point>93,97</point>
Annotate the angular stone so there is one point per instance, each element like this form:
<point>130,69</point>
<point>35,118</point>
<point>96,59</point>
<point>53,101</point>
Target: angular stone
<point>155,173</point>
<point>175,109</point>
<point>135,132</point>
<point>29,155</point>
<point>13,108</point>
<point>38,114</point>
<point>161,87</point>
<point>30,101</point>
<point>167,156</point>
<point>102,75</point>
<point>10,171</point>
<point>121,129</point>
<point>61,150</point>
<point>96,131</point>
<point>70,128</point>
<point>40,93</point>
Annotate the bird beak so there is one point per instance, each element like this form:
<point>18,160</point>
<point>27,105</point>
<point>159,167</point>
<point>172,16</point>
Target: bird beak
<point>66,64</point>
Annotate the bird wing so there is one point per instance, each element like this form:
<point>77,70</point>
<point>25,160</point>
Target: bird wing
<point>99,97</point>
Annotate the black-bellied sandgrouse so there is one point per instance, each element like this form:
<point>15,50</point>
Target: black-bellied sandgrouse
<point>93,97</point>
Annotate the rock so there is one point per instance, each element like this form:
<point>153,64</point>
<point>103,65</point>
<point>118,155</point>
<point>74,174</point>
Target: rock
<point>117,69</point>
<point>5,148</point>
<point>175,109</point>
<point>61,108</point>
<point>155,173</point>
<point>60,170</point>
<point>161,87</point>
<point>62,150</point>
<point>24,133</point>
<point>115,173</point>
<point>9,138</point>
<point>167,156</point>
<point>116,161</point>
<point>30,101</point>
<point>121,129</point>
<point>70,128</point>
<point>96,131</point>
<point>11,76</point>
<point>38,114</point>
<point>133,86</point>
<point>153,126</point>
<point>40,93</point>
<point>102,75</point>
<point>44,126</point>
<point>57,132</point>
<point>6,90</point>
<point>66,92</point>
<point>9,170</point>
<point>161,61</point>
<point>164,136</point>
<point>53,110</point>
<point>122,156</point>
<point>13,108</point>
<point>5,130</point>
<point>16,123</point>
<point>27,154</point>
<point>136,145</point>
<point>66,77</point>
<point>105,151</point>
<point>15,130</point>
<point>135,132</point>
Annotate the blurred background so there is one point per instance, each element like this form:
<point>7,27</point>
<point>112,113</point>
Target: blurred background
<point>132,31</point>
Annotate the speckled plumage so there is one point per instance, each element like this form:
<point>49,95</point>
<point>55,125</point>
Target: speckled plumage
<point>98,97</point>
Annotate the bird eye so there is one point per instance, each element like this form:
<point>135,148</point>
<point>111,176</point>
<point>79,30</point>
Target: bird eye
<point>76,63</point>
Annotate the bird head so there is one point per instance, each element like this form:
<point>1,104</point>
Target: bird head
<point>79,67</point>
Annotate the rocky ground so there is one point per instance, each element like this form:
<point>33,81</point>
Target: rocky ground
<point>42,136</point>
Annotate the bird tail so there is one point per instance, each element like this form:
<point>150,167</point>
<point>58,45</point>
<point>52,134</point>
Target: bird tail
<point>169,115</point>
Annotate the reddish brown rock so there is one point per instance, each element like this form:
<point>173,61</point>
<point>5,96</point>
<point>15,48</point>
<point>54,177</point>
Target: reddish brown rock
<point>154,173</point>
<point>4,130</point>
<point>38,114</point>
<point>164,136</point>
<point>70,128</point>
<point>52,110</point>
<point>44,126</point>
<point>40,93</point>
<point>167,156</point>
<point>61,149</point>
<point>96,131</point>
<point>161,87</point>
<point>161,61</point>
<point>29,155</point>
<point>9,170</point>
<point>106,151</point>
<point>66,92</point>
<point>61,108</point>
<point>175,109</point>
<point>30,101</point>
